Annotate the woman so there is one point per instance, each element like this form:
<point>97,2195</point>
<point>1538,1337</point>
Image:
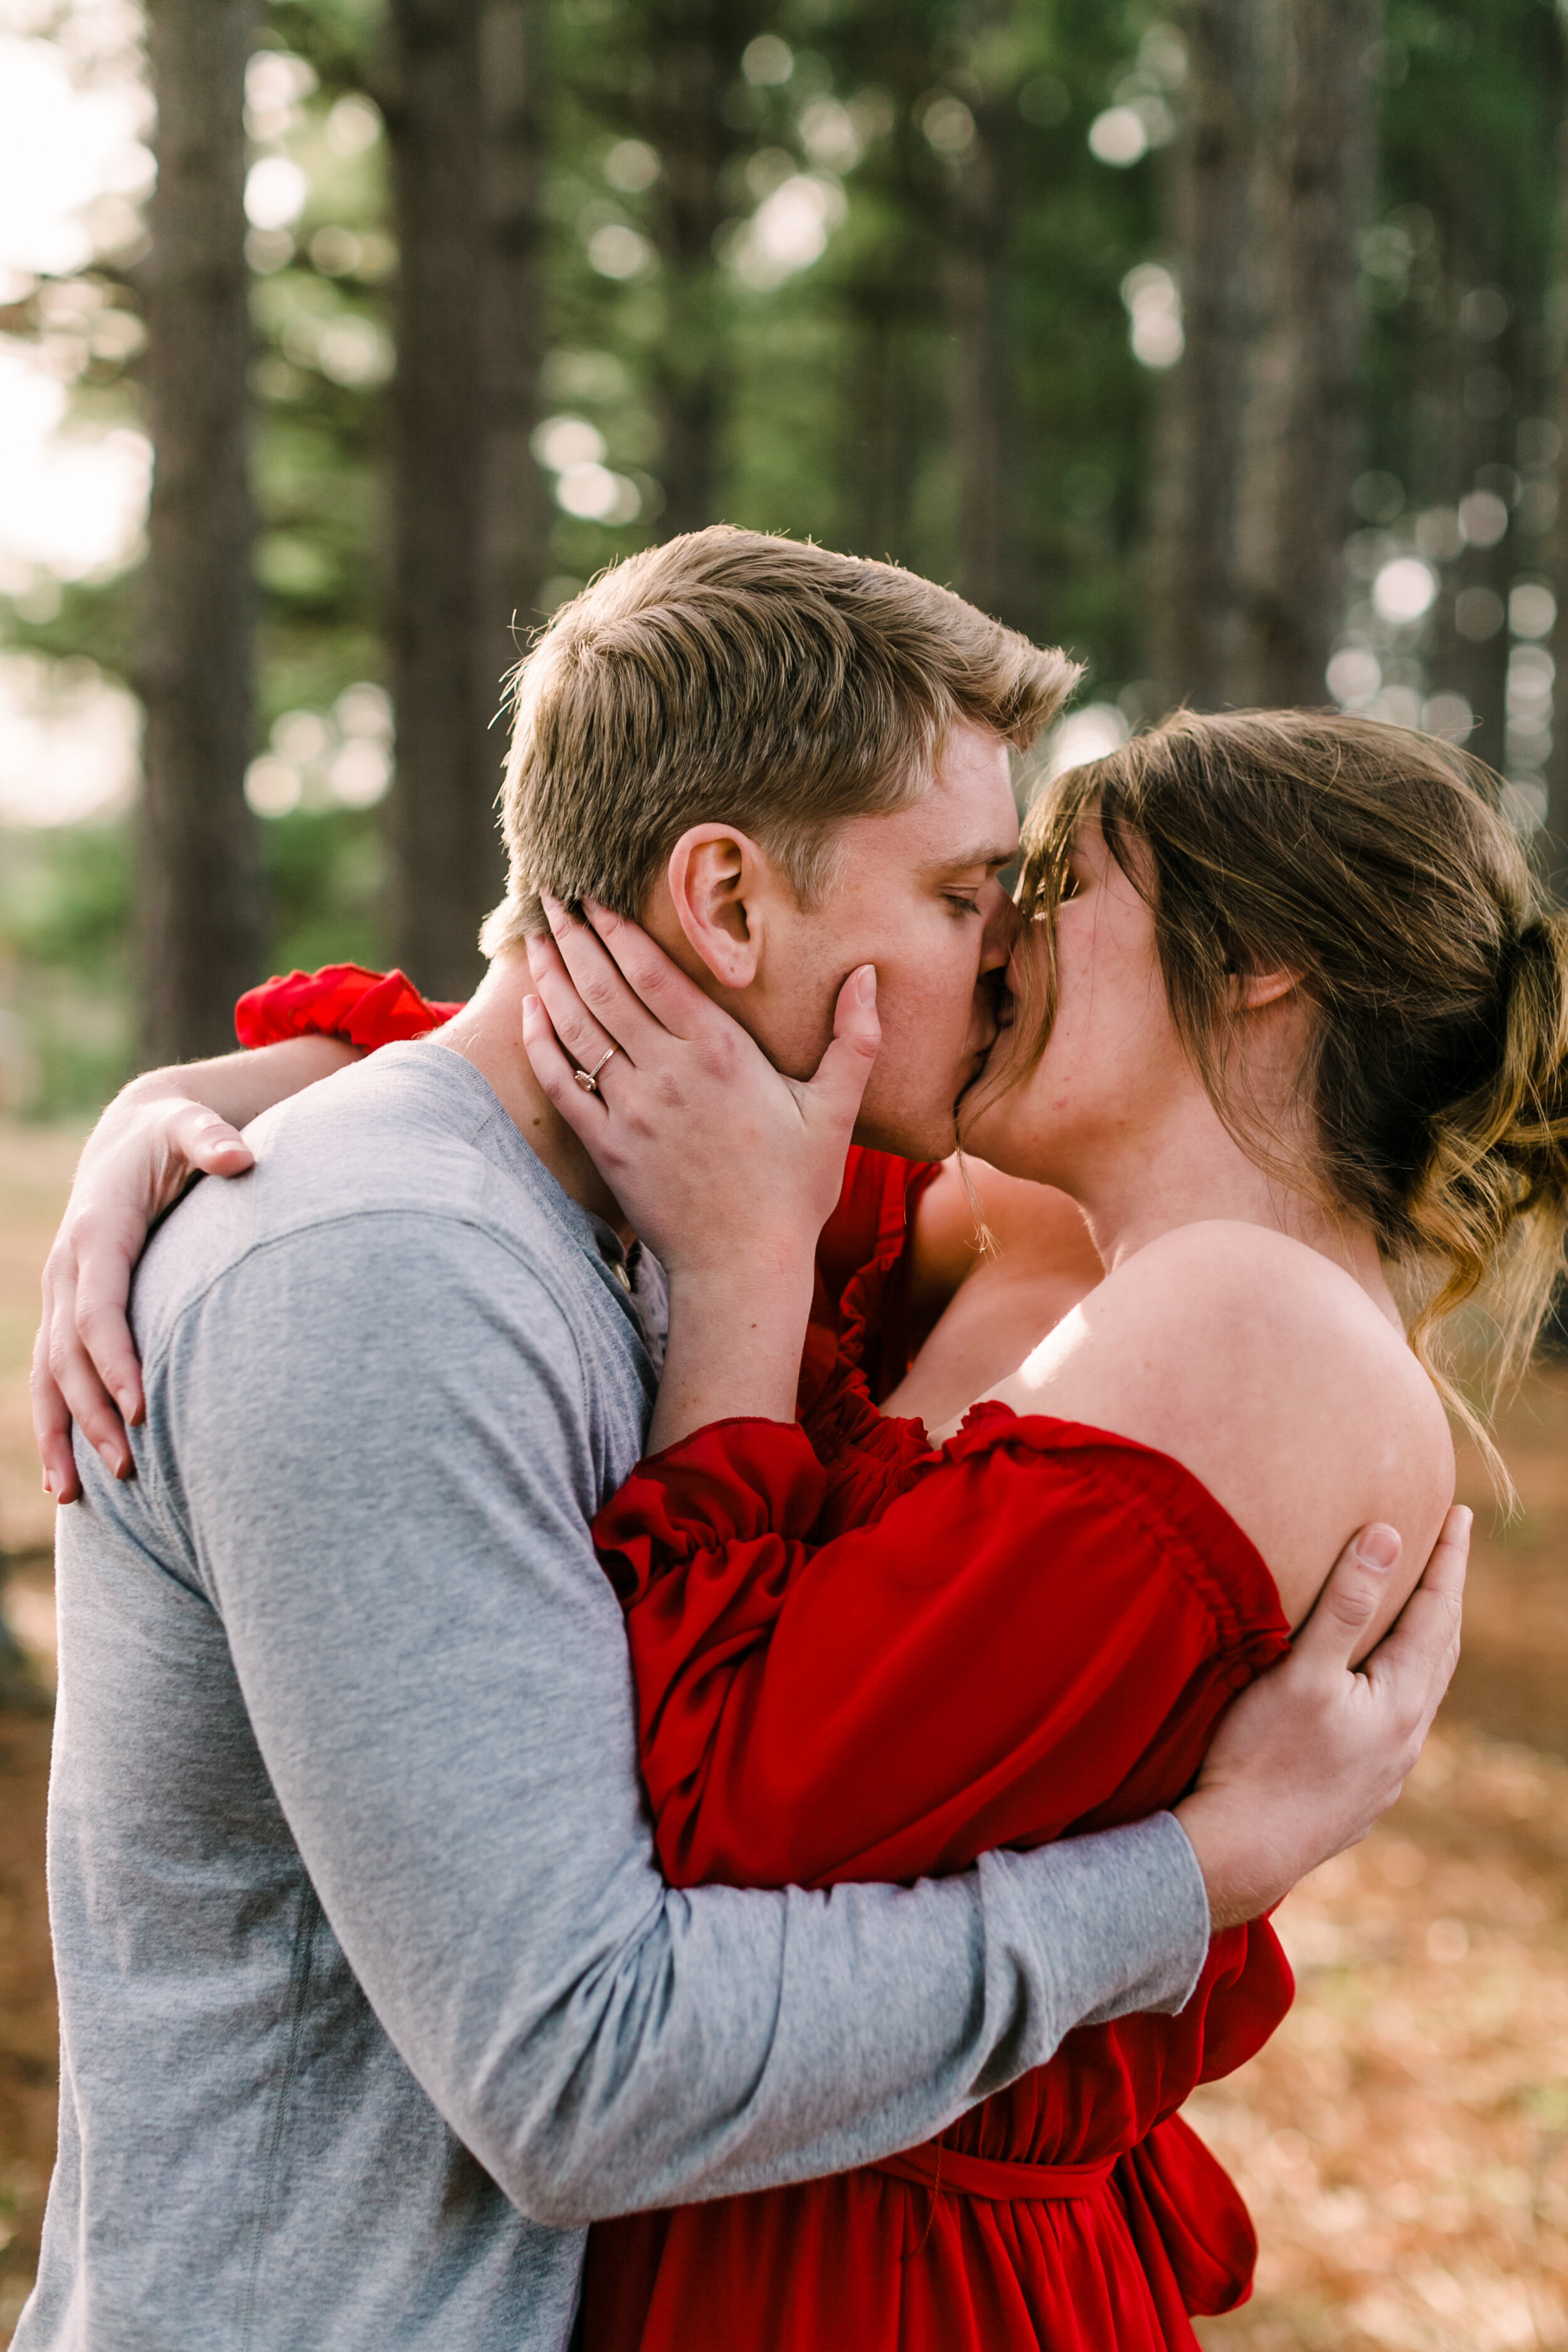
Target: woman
<point>1288,1016</point>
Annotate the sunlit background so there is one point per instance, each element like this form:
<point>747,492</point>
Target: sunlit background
<point>839,401</point>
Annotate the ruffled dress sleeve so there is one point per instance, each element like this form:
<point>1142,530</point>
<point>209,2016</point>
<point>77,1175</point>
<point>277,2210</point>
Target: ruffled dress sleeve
<point>1035,1631</point>
<point>869,1233</point>
<point>343,1000</point>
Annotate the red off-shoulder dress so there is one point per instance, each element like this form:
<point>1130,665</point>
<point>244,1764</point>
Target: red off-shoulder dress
<point>858,1656</point>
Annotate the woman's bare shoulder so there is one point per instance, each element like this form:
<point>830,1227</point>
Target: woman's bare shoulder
<point>1273,1377</point>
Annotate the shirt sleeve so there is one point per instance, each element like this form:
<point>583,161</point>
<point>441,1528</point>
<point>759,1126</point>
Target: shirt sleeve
<point>393,1510</point>
<point>1037,1635</point>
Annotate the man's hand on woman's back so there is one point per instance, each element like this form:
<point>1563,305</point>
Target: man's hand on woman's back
<point>1311,1757</point>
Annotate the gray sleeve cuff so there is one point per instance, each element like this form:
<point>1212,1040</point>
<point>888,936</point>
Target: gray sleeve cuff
<point>1120,1921</point>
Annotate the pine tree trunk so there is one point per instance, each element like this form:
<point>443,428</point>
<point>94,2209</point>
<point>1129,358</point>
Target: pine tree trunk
<point>694,52</point>
<point>1195,619</point>
<point>1323,170</point>
<point>880,450</point>
<point>1554,845</point>
<point>897,302</point>
<point>200,888</point>
<point>518,505</point>
<point>469,523</point>
<point>976,259</point>
<point>1477,668</point>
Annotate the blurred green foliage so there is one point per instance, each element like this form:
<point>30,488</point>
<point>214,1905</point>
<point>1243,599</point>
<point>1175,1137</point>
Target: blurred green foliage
<point>837,380</point>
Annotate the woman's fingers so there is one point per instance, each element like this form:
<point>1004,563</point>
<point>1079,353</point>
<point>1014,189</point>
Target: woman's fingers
<point>85,1369</point>
<point>1356,1587</point>
<point>67,1386</point>
<point>673,999</point>
<point>52,1424</point>
<point>1413,1664</point>
<point>576,1031</point>
<point>839,1079</point>
<point>552,1066</point>
<point>209,1145</point>
<point>607,994</point>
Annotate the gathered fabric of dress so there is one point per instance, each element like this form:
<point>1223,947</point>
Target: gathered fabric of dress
<point>861,1656</point>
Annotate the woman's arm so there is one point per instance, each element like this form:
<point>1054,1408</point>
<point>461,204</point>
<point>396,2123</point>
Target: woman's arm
<point>161,1131</point>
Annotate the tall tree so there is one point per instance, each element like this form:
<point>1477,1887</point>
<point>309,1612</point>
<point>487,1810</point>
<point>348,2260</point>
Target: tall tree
<point>201,890</point>
<point>1319,174</point>
<point>977,241</point>
<point>895,296</point>
<point>442,821</point>
<point>518,510</point>
<point>468,527</point>
<point>1210,187</point>
<point>680,103</point>
<point>1552,478</point>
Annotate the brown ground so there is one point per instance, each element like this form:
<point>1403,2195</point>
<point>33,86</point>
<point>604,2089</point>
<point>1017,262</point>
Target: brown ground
<point>1403,2142</point>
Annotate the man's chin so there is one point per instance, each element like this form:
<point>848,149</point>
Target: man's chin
<point>975,1116</point>
<point>929,1134</point>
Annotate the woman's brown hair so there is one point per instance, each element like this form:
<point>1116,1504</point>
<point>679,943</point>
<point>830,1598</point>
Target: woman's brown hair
<point>1378,866</point>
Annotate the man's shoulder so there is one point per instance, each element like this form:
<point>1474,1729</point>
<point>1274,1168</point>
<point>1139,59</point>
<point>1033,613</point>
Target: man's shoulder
<point>413,1133</point>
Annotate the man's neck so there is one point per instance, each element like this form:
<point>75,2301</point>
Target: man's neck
<point>487,1033</point>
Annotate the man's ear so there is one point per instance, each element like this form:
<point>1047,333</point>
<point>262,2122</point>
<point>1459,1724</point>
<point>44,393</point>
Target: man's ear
<point>719,886</point>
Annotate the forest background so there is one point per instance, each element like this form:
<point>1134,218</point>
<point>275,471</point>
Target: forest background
<point>1221,342</point>
<point>1220,339</point>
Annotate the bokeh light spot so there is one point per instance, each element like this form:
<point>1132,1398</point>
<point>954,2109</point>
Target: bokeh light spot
<point>1531,610</point>
<point>564,441</point>
<point>1404,589</point>
<point>767,62</point>
<point>617,251</point>
<point>1483,518</point>
<point>1083,735</point>
<point>1119,137</point>
<point>632,167</point>
<point>275,193</point>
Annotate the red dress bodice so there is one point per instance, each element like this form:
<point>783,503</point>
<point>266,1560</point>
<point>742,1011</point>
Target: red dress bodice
<point>876,1659</point>
<point>880,1666</point>
<point>858,1656</point>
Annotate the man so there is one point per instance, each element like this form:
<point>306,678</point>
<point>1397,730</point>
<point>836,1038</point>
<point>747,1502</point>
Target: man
<point>369,1992</point>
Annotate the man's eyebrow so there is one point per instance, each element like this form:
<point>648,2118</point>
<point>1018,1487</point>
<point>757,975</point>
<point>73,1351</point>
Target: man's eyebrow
<point>989,854</point>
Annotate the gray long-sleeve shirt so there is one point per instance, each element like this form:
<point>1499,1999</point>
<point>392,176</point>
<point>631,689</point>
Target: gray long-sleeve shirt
<point>370,1992</point>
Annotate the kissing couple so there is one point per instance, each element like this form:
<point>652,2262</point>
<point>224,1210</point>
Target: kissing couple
<point>650,1645</point>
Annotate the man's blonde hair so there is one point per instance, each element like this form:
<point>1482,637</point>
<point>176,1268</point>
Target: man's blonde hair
<point>733,678</point>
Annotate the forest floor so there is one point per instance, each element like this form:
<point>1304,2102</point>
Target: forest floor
<point>1403,2142</point>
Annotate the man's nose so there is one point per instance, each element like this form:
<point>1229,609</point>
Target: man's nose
<point>1002,929</point>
